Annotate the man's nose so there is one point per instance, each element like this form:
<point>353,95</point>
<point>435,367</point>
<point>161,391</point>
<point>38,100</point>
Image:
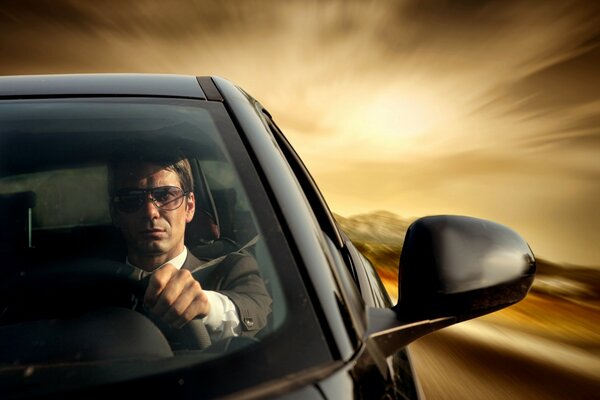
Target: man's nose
<point>150,209</point>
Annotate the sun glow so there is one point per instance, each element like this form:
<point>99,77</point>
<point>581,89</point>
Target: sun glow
<point>401,116</point>
<point>391,123</point>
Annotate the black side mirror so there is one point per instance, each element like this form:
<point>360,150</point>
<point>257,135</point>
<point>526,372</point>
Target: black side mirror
<point>461,267</point>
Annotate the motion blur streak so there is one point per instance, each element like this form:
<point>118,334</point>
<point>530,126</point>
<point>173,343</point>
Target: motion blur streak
<point>484,360</point>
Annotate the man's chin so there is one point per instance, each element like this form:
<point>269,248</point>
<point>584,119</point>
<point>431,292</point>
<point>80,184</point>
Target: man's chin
<point>152,249</point>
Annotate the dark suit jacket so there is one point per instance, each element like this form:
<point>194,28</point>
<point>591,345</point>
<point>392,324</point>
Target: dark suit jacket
<point>238,278</point>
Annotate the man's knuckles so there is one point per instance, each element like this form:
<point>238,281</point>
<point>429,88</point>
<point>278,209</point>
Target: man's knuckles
<point>169,297</point>
<point>178,296</point>
<point>194,287</point>
<point>162,277</point>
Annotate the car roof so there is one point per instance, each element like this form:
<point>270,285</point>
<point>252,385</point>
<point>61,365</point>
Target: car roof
<point>186,86</point>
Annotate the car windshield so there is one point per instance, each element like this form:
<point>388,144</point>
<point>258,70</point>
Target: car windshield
<point>70,296</point>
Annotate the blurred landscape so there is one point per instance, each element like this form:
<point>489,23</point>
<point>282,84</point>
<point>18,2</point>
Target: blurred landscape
<point>546,347</point>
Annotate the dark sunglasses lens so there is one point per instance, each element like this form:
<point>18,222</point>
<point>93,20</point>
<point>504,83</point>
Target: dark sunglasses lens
<point>165,194</point>
<point>130,203</point>
<point>168,198</point>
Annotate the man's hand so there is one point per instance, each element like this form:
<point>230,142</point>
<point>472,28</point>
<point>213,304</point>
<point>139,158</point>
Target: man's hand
<point>175,296</point>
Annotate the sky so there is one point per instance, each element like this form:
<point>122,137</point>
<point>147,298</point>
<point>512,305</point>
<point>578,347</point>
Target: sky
<point>419,107</point>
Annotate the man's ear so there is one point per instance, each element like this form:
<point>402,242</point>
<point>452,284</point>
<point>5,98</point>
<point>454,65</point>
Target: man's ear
<point>190,207</point>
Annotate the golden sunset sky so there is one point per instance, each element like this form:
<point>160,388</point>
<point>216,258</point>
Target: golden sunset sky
<point>481,108</point>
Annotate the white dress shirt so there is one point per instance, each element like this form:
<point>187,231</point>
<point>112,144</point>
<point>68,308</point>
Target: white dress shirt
<point>223,320</point>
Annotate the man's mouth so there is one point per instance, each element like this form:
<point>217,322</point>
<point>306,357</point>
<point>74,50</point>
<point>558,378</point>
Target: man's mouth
<point>153,233</point>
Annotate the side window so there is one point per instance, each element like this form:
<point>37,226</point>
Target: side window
<point>371,287</point>
<point>380,295</point>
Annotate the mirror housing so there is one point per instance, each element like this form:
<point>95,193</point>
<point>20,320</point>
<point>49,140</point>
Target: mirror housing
<point>452,269</point>
<point>461,267</point>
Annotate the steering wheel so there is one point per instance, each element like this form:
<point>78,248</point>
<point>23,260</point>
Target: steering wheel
<point>71,288</point>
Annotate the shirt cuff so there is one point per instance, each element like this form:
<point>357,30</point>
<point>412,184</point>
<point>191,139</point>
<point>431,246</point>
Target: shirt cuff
<point>223,316</point>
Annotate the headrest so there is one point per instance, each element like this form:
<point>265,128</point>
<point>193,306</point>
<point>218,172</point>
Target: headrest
<point>204,227</point>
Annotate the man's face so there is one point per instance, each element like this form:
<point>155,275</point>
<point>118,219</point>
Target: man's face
<point>153,235</point>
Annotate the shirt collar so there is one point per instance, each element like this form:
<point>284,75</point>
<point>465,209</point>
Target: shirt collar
<point>177,261</point>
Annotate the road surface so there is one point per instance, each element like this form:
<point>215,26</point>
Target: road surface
<point>502,357</point>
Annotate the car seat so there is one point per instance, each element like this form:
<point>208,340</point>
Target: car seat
<point>203,234</point>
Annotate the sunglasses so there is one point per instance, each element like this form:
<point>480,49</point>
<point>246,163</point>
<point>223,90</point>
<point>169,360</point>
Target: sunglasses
<point>166,198</point>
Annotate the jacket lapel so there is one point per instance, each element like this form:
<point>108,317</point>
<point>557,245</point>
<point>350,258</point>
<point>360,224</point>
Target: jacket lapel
<point>191,262</point>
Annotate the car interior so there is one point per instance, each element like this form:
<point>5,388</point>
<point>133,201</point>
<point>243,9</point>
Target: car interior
<point>62,279</point>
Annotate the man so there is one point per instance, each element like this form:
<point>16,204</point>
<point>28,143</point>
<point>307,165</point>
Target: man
<point>151,203</point>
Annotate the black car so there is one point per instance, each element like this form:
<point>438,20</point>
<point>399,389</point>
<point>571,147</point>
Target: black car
<point>68,321</point>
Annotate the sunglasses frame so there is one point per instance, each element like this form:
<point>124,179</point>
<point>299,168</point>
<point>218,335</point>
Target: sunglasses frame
<point>142,197</point>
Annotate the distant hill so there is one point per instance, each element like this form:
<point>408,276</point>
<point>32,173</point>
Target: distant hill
<point>381,227</point>
<point>380,235</point>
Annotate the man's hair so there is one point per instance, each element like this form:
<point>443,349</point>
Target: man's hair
<point>183,170</point>
<point>176,163</point>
